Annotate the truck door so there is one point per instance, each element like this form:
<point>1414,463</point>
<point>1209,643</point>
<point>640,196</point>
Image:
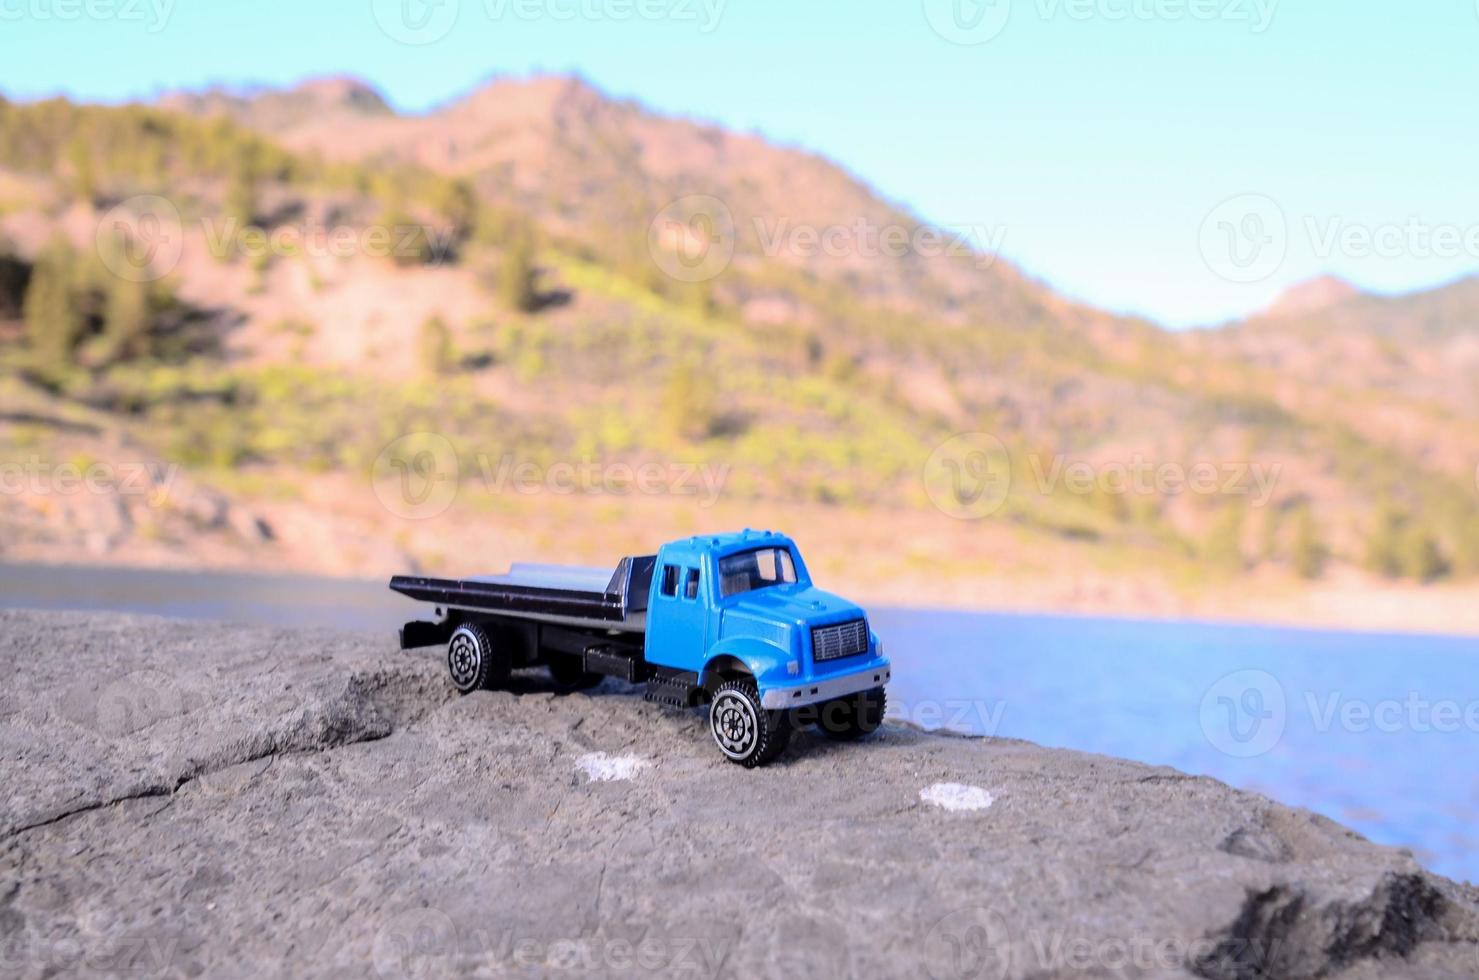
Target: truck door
<point>677,619</point>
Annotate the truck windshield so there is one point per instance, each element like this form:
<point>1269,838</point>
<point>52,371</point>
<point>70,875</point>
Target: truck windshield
<point>756,569</point>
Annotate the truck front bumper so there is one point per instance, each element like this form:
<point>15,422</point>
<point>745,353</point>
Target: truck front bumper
<point>778,698</point>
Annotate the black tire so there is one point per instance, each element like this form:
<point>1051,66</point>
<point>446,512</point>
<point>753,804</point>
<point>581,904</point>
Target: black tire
<point>473,660</point>
<point>569,674</point>
<point>745,732</point>
<point>852,717</point>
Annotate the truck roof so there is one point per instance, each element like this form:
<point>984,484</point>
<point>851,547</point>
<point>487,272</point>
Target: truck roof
<point>723,544</point>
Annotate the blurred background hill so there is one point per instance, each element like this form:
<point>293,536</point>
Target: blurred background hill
<point>257,295</point>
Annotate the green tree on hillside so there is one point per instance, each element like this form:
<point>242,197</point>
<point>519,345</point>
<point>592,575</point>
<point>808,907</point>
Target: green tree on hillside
<point>84,171</point>
<point>1400,546</point>
<point>128,319</point>
<point>53,325</point>
<point>15,274</point>
<point>518,275</point>
<point>457,205</point>
<point>1309,552</point>
<point>1384,542</point>
<point>1224,546</point>
<point>241,190</point>
<point>1422,558</point>
<point>438,354</point>
<point>690,407</point>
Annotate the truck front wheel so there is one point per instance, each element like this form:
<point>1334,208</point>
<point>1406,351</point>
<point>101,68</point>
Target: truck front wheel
<point>473,661</point>
<point>744,731</point>
<point>851,717</point>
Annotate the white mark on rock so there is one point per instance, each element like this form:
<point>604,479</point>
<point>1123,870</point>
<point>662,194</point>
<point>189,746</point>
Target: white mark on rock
<point>956,797</point>
<point>602,768</point>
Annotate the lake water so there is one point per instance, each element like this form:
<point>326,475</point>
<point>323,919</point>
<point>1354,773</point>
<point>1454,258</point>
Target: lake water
<point>1379,732</point>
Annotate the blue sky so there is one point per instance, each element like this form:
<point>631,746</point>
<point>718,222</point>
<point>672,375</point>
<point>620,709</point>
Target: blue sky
<point>1186,159</point>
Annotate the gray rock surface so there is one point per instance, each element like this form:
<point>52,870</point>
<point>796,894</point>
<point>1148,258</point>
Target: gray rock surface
<point>208,800</point>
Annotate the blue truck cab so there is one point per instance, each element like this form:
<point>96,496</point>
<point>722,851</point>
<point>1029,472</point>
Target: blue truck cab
<point>732,621</point>
<point>746,601</point>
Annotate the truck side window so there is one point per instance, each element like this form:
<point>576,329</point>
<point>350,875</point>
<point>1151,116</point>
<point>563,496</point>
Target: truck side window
<point>690,587</point>
<point>670,580</point>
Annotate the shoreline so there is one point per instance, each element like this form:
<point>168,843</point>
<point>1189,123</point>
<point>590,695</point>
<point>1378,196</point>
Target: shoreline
<point>1352,609</point>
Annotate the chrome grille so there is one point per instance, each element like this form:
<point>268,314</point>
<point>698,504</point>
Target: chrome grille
<point>839,640</point>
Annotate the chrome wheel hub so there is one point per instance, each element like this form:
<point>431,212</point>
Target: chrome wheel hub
<point>732,718</point>
<point>463,659</point>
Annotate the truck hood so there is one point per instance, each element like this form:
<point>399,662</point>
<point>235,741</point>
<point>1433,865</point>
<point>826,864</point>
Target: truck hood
<point>796,604</point>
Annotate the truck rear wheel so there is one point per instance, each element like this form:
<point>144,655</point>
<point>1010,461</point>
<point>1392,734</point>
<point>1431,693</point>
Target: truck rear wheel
<point>852,717</point>
<point>474,662</point>
<point>744,731</point>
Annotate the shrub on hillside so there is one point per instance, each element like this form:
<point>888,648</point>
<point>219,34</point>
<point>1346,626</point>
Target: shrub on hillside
<point>1308,553</point>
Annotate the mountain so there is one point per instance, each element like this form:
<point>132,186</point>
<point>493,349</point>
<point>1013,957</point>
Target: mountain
<point>315,103</point>
<point>561,275</point>
<point>1312,296</point>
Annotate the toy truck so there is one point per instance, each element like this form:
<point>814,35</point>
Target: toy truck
<point>731,621</point>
